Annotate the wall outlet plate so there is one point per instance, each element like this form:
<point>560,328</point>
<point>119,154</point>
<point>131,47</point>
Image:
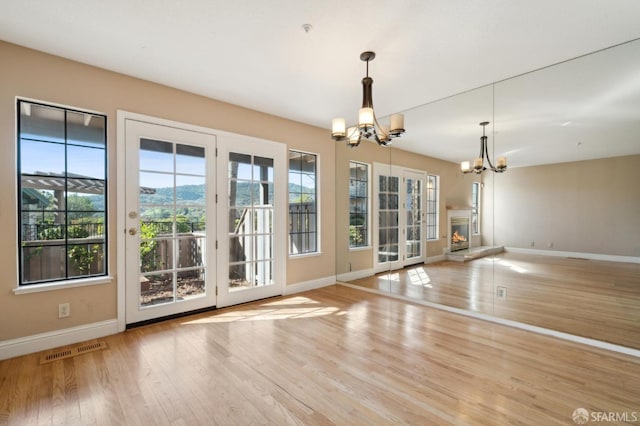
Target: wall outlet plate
<point>64,310</point>
<point>501,293</point>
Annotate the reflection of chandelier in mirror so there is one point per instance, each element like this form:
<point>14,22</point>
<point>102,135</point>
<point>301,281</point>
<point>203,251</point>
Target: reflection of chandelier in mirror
<point>368,126</point>
<point>478,163</point>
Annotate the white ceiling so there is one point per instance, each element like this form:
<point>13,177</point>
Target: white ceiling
<point>255,53</point>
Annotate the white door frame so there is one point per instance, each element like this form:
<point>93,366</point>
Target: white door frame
<point>121,222</point>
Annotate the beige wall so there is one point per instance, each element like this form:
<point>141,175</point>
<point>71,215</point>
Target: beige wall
<point>31,74</point>
<point>586,207</point>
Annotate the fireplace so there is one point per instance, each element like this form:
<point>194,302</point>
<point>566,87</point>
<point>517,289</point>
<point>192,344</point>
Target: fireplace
<point>459,230</point>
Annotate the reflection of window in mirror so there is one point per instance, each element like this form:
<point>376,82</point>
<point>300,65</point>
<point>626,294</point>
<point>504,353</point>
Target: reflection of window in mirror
<point>433,196</point>
<point>303,212</point>
<point>358,204</point>
<point>475,208</point>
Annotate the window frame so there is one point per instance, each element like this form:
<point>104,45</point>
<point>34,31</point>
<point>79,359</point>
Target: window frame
<point>317,250</point>
<point>68,280</point>
<point>435,235</point>
<point>476,187</point>
<point>368,215</point>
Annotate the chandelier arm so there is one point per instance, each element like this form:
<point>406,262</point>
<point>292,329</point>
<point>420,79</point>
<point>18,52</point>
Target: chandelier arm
<point>486,152</point>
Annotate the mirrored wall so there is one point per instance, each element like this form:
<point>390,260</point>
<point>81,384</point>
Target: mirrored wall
<point>553,242</point>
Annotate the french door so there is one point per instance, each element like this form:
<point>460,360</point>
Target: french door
<point>170,220</point>
<point>399,207</point>
<point>252,228</point>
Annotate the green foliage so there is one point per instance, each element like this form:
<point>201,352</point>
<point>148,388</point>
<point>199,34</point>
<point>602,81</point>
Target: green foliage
<point>82,256</point>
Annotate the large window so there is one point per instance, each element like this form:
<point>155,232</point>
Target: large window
<point>433,195</point>
<point>358,204</point>
<point>303,203</point>
<point>475,208</point>
<point>62,208</point>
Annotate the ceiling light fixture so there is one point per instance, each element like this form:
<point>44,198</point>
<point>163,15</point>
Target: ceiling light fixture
<point>478,163</point>
<point>368,127</point>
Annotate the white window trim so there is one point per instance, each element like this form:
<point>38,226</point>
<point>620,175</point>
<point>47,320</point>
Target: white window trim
<point>61,285</point>
<point>479,195</point>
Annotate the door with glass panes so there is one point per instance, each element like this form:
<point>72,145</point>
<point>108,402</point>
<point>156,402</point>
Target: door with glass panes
<point>170,220</point>
<point>252,227</point>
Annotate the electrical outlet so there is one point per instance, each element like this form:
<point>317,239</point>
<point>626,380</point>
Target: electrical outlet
<point>501,293</point>
<point>551,244</point>
<point>64,310</point>
<point>533,244</point>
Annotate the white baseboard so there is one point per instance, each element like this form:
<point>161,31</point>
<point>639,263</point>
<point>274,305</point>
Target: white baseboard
<point>309,285</point>
<point>356,275</point>
<point>591,256</point>
<point>54,339</point>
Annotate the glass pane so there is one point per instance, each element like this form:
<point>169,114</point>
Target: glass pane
<point>191,284</point>
<point>85,259</point>
<point>239,193</point>
<point>238,220</point>
<point>45,159</point>
<point>263,247</point>
<point>156,289</point>
<point>190,160</point>
<point>393,202</point>
<point>41,263</point>
<point>156,155</point>
<point>383,201</point>
<point>264,273</point>
<point>86,225</point>
<point>85,129</point>
<point>190,190</point>
<point>191,252</point>
<point>191,220</point>
<point>240,248</point>
<point>156,222</point>
<point>239,166</point>
<point>240,276</point>
<point>156,188</point>
<point>393,184</point>
<point>382,181</point>
<point>156,255</point>
<point>41,122</point>
<point>263,220</point>
<point>263,169</point>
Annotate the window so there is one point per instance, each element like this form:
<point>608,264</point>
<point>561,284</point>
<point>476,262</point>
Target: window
<point>303,203</point>
<point>358,204</point>
<point>62,210</point>
<point>433,195</point>
<point>475,208</point>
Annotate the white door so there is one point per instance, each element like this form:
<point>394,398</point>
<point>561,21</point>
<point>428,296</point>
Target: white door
<point>170,221</point>
<point>399,231</point>
<point>252,230</point>
<point>387,223</point>
<point>412,239</point>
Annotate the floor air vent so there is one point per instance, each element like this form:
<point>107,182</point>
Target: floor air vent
<point>75,351</point>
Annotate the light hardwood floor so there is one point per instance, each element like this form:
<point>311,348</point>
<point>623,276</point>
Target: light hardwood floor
<point>588,298</point>
<point>330,356</point>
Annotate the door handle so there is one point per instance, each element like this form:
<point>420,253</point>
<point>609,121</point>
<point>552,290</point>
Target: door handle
<point>133,231</point>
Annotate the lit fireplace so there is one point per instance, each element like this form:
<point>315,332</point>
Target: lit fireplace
<point>459,233</point>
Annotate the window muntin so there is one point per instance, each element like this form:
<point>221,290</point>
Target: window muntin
<point>303,203</point>
<point>62,208</point>
<point>358,204</point>
<point>432,213</point>
<point>475,208</point>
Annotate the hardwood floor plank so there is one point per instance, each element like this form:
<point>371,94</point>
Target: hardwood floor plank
<point>330,356</point>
